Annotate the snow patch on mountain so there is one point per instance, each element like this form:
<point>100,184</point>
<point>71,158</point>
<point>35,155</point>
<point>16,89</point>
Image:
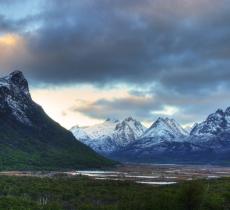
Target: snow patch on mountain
<point>110,135</point>
<point>102,130</point>
<point>79,132</point>
<point>165,128</point>
<point>214,124</point>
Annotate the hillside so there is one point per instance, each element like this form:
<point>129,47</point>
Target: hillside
<point>29,139</point>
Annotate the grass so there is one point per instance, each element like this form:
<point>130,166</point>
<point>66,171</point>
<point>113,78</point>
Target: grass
<point>82,193</point>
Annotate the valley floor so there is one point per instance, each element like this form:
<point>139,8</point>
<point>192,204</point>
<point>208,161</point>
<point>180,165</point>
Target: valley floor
<point>154,174</point>
<point>120,189</point>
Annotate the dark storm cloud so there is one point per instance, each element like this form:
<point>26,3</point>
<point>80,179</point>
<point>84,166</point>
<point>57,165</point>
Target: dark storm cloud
<point>180,46</point>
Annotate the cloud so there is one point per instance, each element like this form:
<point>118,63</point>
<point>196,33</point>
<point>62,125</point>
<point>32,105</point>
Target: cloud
<point>148,107</point>
<point>105,42</point>
<point>117,108</point>
<point>13,46</point>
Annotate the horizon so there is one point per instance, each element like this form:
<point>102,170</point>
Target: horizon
<point>102,59</point>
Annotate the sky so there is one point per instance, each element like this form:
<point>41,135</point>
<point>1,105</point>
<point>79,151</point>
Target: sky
<point>89,60</point>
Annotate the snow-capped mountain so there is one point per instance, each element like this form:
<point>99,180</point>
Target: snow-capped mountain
<point>15,98</point>
<point>165,129</point>
<point>29,139</point>
<point>114,135</point>
<point>214,132</point>
<point>110,135</point>
<point>79,132</point>
<point>166,141</point>
<point>215,124</point>
<point>161,134</point>
<point>128,131</point>
<point>102,130</point>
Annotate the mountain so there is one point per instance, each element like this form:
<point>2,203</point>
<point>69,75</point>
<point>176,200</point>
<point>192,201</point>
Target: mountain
<point>157,141</point>
<point>110,135</point>
<point>214,133</point>
<point>29,139</point>
<point>215,124</point>
<point>167,142</point>
<point>165,129</point>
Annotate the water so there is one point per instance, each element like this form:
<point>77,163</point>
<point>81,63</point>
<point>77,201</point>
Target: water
<point>157,174</point>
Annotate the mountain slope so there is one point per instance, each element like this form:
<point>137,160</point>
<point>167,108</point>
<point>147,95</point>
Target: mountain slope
<point>161,131</point>
<point>110,135</point>
<point>215,124</point>
<point>165,129</point>
<point>29,139</point>
<point>156,142</point>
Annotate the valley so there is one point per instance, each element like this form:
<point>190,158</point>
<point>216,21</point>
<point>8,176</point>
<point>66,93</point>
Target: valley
<point>109,165</point>
<point>152,174</point>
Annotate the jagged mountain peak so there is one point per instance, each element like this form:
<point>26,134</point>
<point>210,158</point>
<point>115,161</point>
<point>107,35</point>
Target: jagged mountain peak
<point>15,99</point>
<point>165,127</point>
<point>17,77</point>
<point>163,121</point>
<point>15,82</point>
<point>110,135</point>
<point>215,123</point>
<point>130,126</point>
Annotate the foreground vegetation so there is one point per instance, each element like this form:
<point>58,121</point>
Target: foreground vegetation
<point>63,193</point>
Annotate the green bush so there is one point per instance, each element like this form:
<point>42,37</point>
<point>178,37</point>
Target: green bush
<point>81,193</point>
<point>192,195</point>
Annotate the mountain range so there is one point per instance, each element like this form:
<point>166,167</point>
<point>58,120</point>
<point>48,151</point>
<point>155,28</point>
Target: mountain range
<point>165,141</point>
<point>29,139</point>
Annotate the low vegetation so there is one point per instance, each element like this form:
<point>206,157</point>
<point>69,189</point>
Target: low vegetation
<point>64,193</point>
